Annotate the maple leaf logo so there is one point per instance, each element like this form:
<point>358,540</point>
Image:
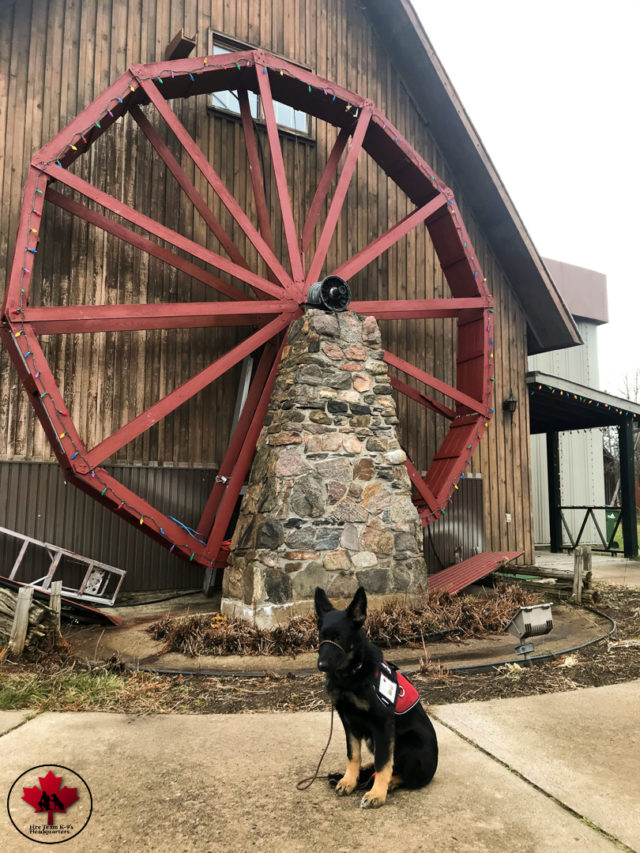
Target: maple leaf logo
<point>50,797</point>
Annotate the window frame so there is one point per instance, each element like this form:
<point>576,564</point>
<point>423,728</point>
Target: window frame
<point>215,37</point>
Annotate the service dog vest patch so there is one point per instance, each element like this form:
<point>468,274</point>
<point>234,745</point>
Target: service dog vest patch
<point>393,690</point>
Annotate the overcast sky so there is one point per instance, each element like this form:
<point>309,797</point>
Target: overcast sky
<point>553,89</point>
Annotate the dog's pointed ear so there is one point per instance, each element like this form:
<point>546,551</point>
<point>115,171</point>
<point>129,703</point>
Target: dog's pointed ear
<point>357,610</point>
<point>323,605</point>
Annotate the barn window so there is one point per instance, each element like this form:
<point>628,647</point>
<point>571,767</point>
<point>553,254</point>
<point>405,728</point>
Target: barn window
<point>287,118</point>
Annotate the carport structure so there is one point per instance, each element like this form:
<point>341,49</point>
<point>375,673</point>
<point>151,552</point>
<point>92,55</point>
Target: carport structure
<point>557,405</point>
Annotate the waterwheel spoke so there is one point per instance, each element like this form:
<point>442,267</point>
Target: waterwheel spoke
<point>432,382</point>
<point>339,196</point>
<point>364,257</point>
<point>415,309</point>
<point>79,319</point>
<point>114,494</point>
<point>295,258</point>
<point>176,398</point>
<point>161,231</point>
<point>255,168</point>
<point>326,179</point>
<point>192,193</point>
<point>421,487</point>
<point>238,438</point>
<point>420,397</point>
<point>144,244</point>
<point>214,181</point>
<point>241,468</point>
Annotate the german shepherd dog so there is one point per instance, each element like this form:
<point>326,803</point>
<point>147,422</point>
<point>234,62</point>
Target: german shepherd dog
<point>404,745</point>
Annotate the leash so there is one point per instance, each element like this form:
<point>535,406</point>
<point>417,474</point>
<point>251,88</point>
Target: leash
<point>303,784</point>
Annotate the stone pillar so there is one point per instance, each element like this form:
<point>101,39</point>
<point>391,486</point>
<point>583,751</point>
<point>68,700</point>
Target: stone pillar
<point>329,498</point>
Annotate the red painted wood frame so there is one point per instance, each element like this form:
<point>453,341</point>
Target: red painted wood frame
<point>266,305</point>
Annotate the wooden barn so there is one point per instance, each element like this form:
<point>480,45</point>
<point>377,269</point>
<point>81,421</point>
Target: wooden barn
<point>174,176</point>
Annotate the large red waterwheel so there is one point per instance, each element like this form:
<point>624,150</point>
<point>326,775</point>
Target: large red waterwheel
<point>265,303</point>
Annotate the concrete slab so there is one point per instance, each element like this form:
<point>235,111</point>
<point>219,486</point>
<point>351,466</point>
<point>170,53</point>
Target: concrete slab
<point>11,719</point>
<point>605,567</point>
<point>582,747</point>
<point>228,783</point>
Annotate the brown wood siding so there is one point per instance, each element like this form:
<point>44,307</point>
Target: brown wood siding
<point>55,58</point>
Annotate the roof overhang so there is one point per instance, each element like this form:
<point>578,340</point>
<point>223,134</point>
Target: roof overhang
<point>556,405</point>
<point>549,322</point>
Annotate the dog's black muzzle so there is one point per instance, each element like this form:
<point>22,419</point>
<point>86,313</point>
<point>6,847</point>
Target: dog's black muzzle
<point>331,656</point>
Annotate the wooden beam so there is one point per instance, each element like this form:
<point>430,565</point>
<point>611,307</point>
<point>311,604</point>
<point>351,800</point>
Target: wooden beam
<point>421,398</point>
<point>20,624</point>
<point>421,487</point>
<point>255,168</point>
<point>79,319</point>
<point>30,213</point>
<point>237,439</point>
<point>161,231</point>
<point>433,382</point>
<point>144,244</point>
<point>214,181</point>
<point>192,193</point>
<point>364,257</point>
<point>277,162</point>
<point>339,196</point>
<point>180,46</point>
<point>326,179</point>
<point>243,464</point>
<point>163,407</point>
<point>413,309</point>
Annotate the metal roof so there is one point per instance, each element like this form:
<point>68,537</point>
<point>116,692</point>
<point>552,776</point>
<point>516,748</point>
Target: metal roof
<point>461,575</point>
<point>557,404</point>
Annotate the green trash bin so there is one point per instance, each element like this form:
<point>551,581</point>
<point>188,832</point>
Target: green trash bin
<point>611,516</point>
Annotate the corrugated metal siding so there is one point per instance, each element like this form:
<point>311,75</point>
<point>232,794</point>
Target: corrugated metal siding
<point>459,534</point>
<point>36,501</point>
<point>581,458</point>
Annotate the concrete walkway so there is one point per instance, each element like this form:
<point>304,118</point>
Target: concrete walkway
<point>227,783</point>
<point>606,568</point>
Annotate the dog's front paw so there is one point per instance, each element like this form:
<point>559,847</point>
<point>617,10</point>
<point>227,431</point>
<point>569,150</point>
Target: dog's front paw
<point>345,787</point>
<point>372,801</point>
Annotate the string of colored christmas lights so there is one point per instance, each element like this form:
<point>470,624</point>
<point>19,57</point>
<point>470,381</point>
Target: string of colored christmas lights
<point>202,66</point>
<point>596,403</point>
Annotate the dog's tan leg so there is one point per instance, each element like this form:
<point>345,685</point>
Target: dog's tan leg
<point>349,781</point>
<point>376,797</point>
<point>395,782</point>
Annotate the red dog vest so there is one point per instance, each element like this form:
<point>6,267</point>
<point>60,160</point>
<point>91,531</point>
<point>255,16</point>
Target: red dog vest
<point>407,695</point>
<point>394,690</point>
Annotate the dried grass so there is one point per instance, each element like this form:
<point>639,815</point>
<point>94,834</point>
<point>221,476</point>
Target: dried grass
<point>406,621</point>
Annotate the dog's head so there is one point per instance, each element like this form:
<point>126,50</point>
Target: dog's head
<point>339,631</point>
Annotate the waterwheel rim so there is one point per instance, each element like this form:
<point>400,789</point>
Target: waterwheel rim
<point>274,300</point>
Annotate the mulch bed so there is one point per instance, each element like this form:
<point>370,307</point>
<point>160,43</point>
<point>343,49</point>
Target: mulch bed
<point>408,622</point>
<point>57,684</point>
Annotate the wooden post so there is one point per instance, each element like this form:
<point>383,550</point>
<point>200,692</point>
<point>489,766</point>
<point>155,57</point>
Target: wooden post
<point>627,490</point>
<point>209,581</point>
<point>581,565</point>
<point>56,604</point>
<point>555,495</point>
<point>20,621</point>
